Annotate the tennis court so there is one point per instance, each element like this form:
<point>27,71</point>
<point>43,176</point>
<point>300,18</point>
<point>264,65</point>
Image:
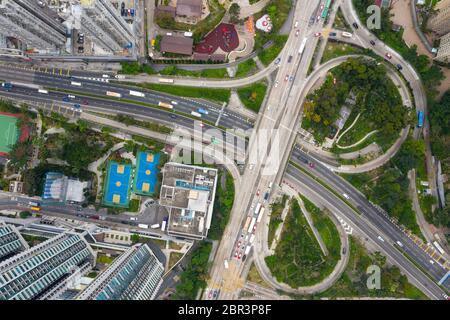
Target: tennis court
<point>146,173</point>
<point>9,133</point>
<point>117,185</point>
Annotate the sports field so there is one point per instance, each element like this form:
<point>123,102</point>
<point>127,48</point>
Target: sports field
<point>146,173</point>
<point>117,185</point>
<point>9,133</point>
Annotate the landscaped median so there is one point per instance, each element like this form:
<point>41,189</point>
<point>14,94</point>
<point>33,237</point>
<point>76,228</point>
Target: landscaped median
<point>253,96</point>
<point>298,260</point>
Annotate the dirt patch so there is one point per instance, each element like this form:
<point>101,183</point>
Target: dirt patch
<point>401,9</point>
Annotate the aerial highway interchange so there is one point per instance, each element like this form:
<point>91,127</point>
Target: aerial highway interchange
<point>282,158</point>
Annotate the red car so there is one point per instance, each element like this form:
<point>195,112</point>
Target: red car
<point>210,294</point>
<point>317,34</point>
<point>254,228</point>
<point>240,255</point>
<point>85,102</point>
<point>286,78</point>
<point>239,244</point>
<point>311,165</point>
<point>388,55</point>
<point>236,254</point>
<point>258,192</point>
<point>201,124</point>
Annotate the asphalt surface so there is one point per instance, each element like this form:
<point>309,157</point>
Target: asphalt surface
<point>374,219</point>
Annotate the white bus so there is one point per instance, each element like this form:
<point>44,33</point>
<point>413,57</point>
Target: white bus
<point>113,94</point>
<point>250,227</point>
<point>137,94</point>
<point>43,91</point>
<point>247,222</point>
<point>155,226</point>
<point>165,105</point>
<point>78,84</point>
<point>162,80</point>
<point>196,114</point>
<point>247,249</point>
<point>163,226</point>
<point>143,226</point>
<point>225,262</point>
<point>252,238</point>
<point>436,244</point>
<point>258,207</point>
<point>302,46</point>
<point>347,34</point>
<point>260,215</point>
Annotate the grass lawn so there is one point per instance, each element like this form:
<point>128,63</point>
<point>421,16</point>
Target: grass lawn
<point>220,95</point>
<point>134,205</point>
<point>255,277</point>
<point>246,68</point>
<point>206,73</point>
<point>253,96</point>
<point>175,245</point>
<point>268,55</point>
<point>174,258</point>
<point>101,258</point>
<point>335,49</point>
<point>340,22</point>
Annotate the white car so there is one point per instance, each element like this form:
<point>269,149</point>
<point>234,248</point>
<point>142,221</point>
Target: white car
<point>381,239</point>
<point>276,83</point>
<point>431,261</point>
<point>346,196</point>
<point>133,218</point>
<point>174,103</point>
<point>296,24</point>
<point>400,244</point>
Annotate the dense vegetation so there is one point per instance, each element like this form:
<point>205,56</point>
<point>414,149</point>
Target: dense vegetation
<point>388,186</point>
<point>353,282</point>
<point>376,96</point>
<point>276,209</point>
<point>135,68</point>
<point>21,151</point>
<point>326,229</point>
<point>429,72</point>
<point>223,204</point>
<point>298,259</point>
<point>195,275</point>
<point>440,144</point>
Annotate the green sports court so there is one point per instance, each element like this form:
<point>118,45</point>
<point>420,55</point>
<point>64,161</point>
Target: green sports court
<point>9,133</point>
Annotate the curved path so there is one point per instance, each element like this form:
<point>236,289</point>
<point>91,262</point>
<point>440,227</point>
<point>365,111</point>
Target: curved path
<point>262,250</point>
<point>358,142</point>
